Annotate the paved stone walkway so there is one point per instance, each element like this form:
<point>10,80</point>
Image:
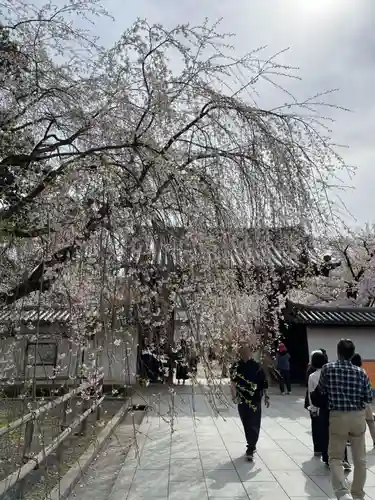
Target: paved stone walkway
<point>203,458</point>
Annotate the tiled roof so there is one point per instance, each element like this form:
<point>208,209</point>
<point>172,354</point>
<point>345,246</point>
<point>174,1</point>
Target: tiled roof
<point>325,315</point>
<point>285,247</point>
<point>33,315</point>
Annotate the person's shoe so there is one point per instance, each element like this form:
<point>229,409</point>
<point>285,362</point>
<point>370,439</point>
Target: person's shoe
<point>250,455</point>
<point>347,496</point>
<point>346,466</point>
<point>290,392</point>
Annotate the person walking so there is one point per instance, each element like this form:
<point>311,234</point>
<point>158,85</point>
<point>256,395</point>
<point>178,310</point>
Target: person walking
<point>319,421</point>
<point>248,386</point>
<point>320,415</point>
<point>310,370</point>
<point>348,390</point>
<point>193,359</point>
<point>283,367</point>
<point>182,362</point>
<point>357,361</point>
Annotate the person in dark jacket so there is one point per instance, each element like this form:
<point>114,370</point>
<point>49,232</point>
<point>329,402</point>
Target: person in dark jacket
<point>249,386</point>
<point>182,362</point>
<point>283,367</point>
<point>318,414</point>
<point>319,408</point>
<point>319,358</point>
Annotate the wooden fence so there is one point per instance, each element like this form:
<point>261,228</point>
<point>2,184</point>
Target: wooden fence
<point>86,390</point>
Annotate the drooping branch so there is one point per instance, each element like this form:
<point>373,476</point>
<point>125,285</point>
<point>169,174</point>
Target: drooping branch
<point>47,271</point>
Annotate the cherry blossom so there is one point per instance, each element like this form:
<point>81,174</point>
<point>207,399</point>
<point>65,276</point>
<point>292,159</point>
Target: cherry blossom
<point>127,181</point>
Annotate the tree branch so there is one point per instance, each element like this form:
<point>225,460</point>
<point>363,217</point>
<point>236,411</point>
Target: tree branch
<point>46,272</point>
<point>53,174</point>
<point>26,233</point>
<point>349,263</point>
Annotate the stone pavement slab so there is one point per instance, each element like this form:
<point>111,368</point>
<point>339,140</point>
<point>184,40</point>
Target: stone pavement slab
<point>186,451</point>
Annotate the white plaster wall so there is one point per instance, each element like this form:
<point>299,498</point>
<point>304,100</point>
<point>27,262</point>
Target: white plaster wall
<point>327,338</point>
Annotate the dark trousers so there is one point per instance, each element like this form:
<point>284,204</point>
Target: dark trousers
<point>320,434</point>
<point>319,431</point>
<point>315,433</point>
<point>285,380</point>
<point>250,418</point>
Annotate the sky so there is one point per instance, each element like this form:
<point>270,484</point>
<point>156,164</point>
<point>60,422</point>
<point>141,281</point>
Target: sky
<point>331,41</point>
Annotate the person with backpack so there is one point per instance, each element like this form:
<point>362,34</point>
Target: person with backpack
<point>311,369</point>
<point>314,432</point>
<point>347,390</point>
<point>320,415</point>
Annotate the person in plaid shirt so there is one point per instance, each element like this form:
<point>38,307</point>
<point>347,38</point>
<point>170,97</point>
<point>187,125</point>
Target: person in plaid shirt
<point>348,390</point>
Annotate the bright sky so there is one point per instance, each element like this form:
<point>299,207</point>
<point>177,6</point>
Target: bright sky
<point>331,41</point>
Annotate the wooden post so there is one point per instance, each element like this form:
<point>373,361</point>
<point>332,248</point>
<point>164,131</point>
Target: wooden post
<point>29,432</point>
<point>99,394</point>
<point>85,407</point>
<point>63,426</point>
<point>64,418</point>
